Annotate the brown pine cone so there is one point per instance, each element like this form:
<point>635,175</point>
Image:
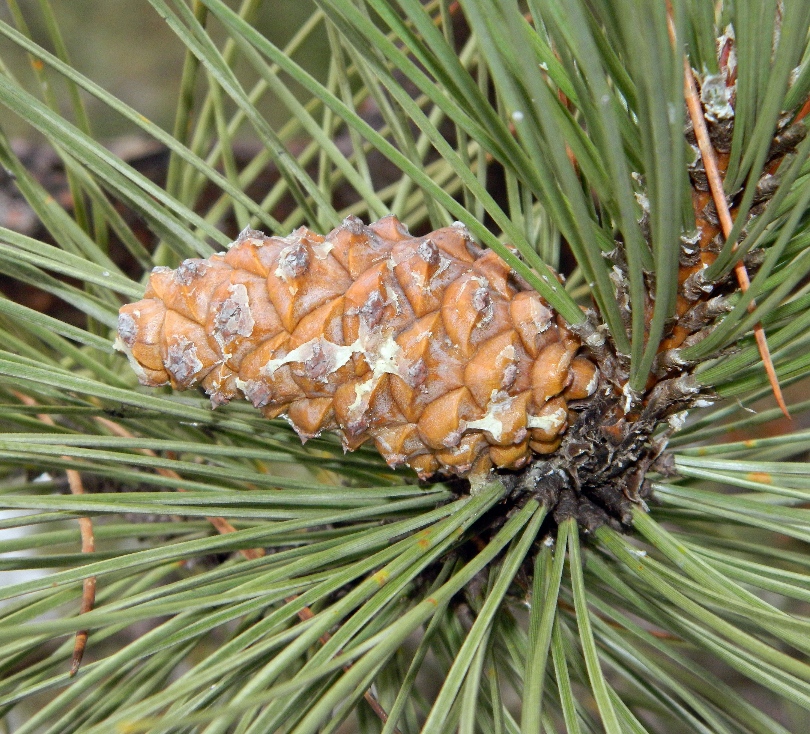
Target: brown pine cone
<point>429,345</point>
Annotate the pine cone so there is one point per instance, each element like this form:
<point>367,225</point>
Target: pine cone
<point>429,346</point>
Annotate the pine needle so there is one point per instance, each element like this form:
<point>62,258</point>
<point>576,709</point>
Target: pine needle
<point>222,526</point>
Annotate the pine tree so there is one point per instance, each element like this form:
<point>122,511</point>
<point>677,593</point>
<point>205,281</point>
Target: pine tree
<point>626,185</point>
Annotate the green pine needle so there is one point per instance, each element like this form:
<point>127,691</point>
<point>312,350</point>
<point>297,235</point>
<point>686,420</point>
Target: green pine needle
<point>380,605</point>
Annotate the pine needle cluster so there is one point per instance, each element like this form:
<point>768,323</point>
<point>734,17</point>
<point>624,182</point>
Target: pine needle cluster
<point>196,570</point>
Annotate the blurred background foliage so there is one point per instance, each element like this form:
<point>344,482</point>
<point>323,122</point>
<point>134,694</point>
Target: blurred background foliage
<point>125,46</point>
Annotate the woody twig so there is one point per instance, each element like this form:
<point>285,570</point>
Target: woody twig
<point>715,180</point>
<point>88,546</point>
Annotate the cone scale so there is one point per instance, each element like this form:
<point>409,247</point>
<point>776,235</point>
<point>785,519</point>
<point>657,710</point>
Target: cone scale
<point>430,347</point>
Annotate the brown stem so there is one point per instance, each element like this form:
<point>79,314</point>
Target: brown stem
<point>715,180</point>
<point>89,584</point>
<point>88,546</point>
<point>802,113</point>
